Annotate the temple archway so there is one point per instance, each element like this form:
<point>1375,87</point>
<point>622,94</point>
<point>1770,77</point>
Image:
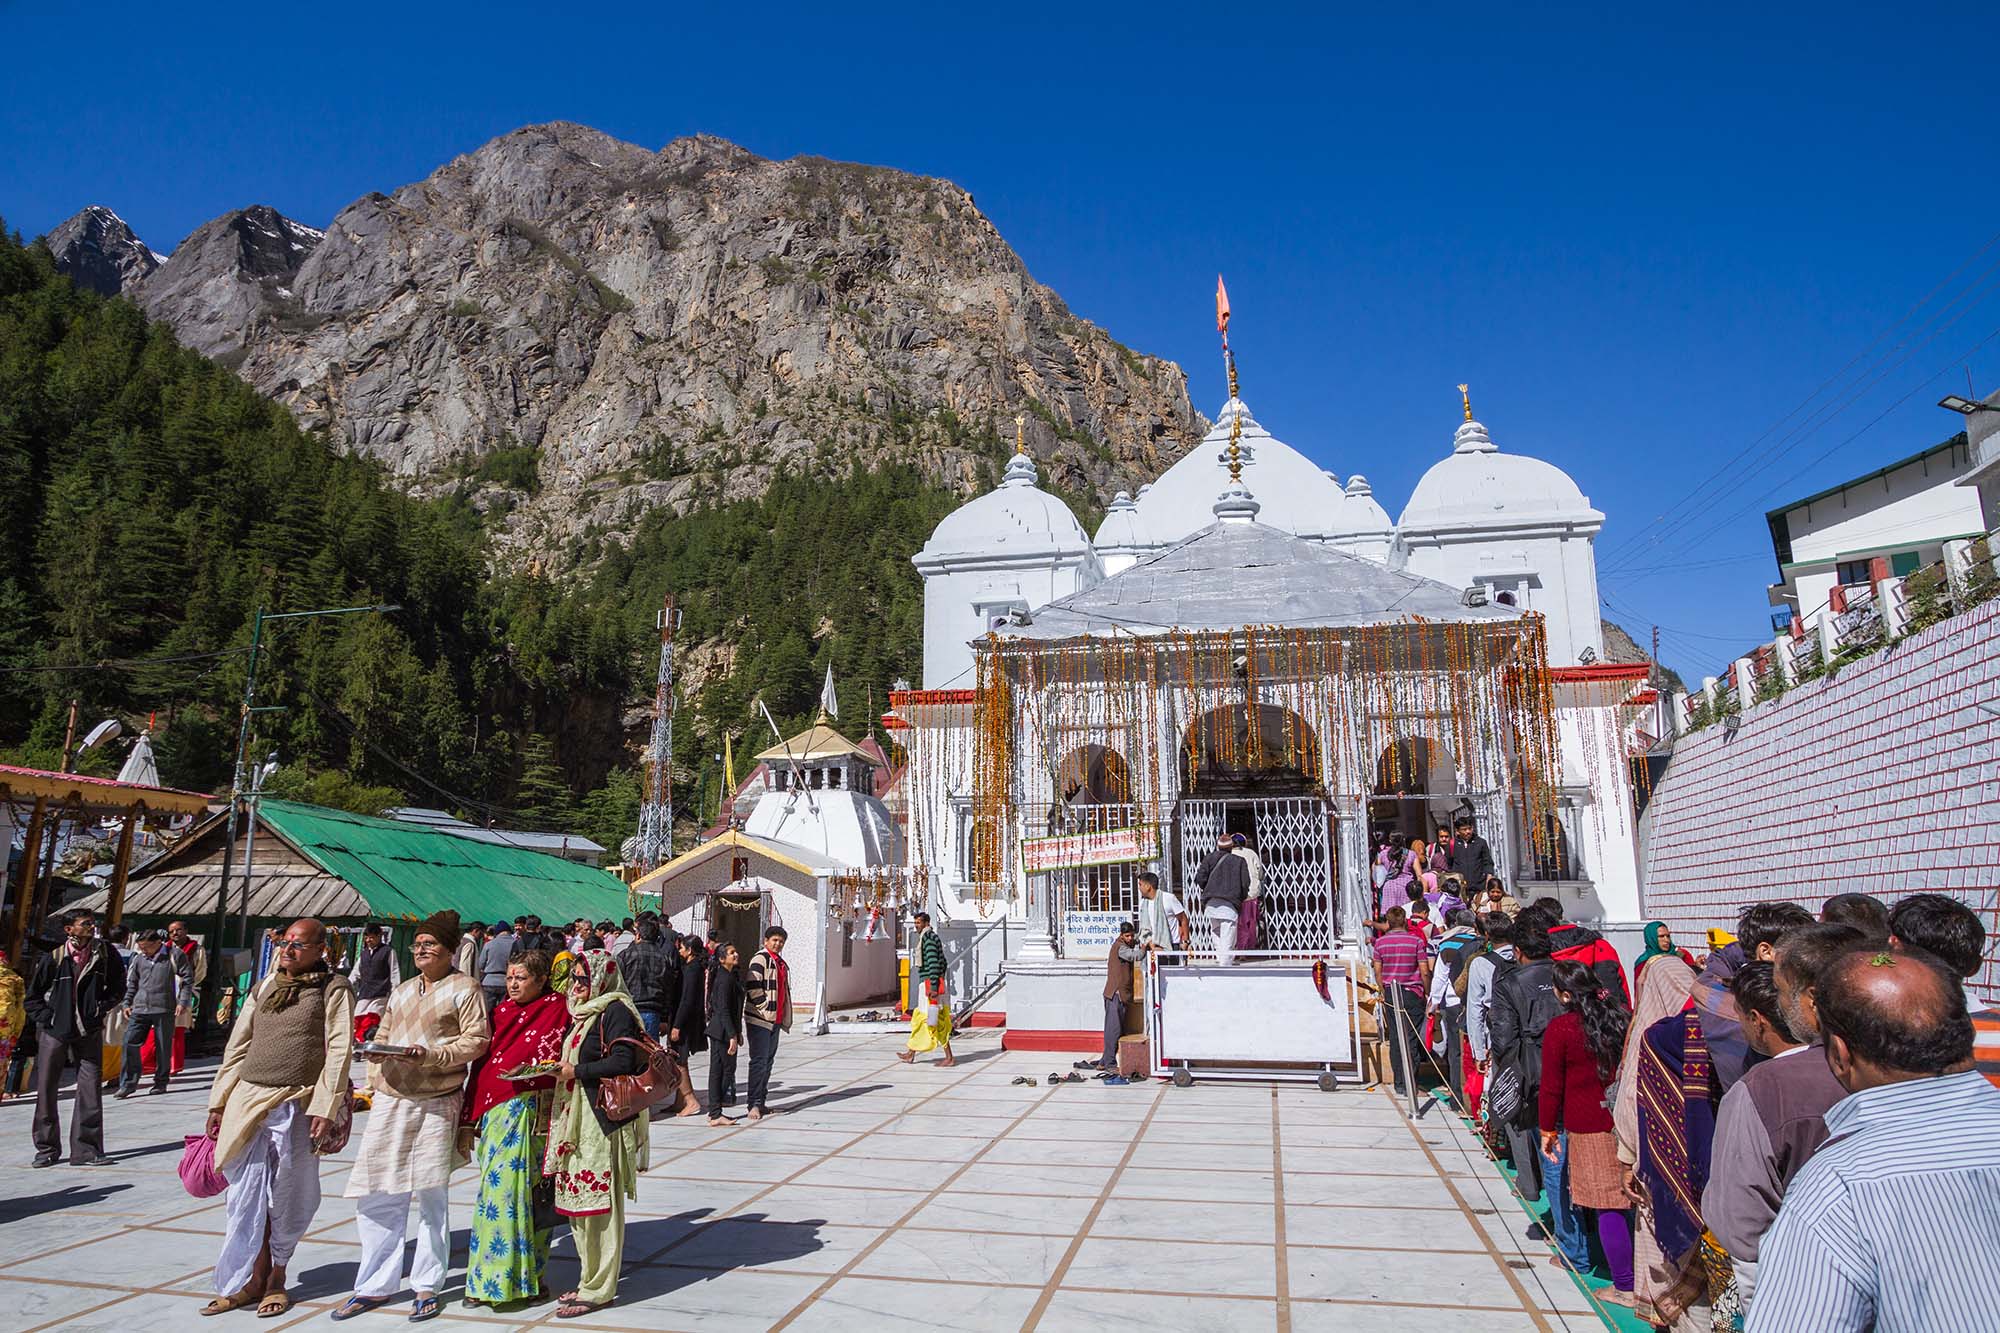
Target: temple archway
<point>1237,751</point>
<point>1416,788</point>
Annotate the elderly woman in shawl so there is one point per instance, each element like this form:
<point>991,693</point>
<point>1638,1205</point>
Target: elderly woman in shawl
<point>1659,944</point>
<point>509,1114</point>
<point>1667,1282</point>
<point>596,1160</point>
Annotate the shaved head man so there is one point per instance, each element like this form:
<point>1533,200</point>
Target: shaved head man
<point>1895,1222</point>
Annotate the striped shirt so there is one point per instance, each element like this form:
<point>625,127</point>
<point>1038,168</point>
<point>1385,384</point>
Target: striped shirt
<point>1398,960</point>
<point>1895,1222</point>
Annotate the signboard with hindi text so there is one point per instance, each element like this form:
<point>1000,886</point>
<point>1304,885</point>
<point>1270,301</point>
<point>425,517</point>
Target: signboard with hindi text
<point>1074,851</point>
<point>1088,935</point>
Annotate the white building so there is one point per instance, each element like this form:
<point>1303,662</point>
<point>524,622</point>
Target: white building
<point>818,855</point>
<point>1486,538</point>
<point>1886,524</point>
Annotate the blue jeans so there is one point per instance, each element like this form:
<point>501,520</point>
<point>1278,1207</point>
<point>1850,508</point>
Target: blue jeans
<point>1569,1224</point>
<point>651,1022</point>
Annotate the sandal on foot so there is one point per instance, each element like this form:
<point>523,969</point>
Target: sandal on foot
<point>906,1056</point>
<point>242,1300</point>
<point>424,1307</point>
<point>274,1304</point>
<point>576,1309</point>
<point>357,1305</point>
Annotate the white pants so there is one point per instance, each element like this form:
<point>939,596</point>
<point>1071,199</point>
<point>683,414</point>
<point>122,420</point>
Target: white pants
<point>1222,920</point>
<point>274,1180</point>
<point>383,1220</point>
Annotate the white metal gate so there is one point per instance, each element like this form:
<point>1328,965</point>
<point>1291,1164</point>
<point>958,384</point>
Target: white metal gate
<point>1291,834</point>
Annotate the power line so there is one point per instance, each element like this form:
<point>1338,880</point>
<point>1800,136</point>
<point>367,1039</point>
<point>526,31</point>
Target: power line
<point>1722,472</point>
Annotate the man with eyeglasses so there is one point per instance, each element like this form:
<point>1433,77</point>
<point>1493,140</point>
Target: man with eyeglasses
<point>276,1102</point>
<point>410,1145</point>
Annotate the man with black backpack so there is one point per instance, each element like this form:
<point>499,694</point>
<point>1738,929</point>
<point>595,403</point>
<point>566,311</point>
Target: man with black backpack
<point>1524,1004</point>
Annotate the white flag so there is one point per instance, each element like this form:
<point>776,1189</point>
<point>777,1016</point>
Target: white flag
<point>829,703</point>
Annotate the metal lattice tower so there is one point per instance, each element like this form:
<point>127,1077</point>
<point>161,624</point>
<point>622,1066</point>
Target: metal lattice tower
<point>656,816</point>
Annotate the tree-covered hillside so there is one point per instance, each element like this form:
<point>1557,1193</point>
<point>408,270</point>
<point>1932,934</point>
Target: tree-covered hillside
<point>150,502</point>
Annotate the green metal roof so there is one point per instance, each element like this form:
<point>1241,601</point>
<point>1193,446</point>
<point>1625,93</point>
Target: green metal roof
<point>408,871</point>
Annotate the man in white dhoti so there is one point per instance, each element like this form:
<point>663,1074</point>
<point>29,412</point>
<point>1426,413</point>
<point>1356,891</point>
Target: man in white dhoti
<point>410,1145</point>
<point>276,1100</point>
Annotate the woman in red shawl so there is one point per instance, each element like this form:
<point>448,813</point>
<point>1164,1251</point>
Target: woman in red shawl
<point>510,1234</point>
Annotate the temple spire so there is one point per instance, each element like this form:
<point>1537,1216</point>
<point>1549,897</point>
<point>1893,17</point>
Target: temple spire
<point>1465,394</point>
<point>1229,361</point>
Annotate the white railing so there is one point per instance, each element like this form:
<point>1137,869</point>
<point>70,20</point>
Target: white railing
<point>1855,620</point>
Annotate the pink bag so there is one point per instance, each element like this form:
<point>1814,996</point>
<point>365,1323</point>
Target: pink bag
<point>198,1170</point>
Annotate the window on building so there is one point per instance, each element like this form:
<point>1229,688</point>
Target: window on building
<point>1853,572</point>
<point>1905,562</point>
<point>1506,598</point>
<point>971,842</point>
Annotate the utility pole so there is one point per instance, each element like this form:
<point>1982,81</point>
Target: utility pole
<point>205,1017</point>
<point>656,816</point>
<point>1653,676</point>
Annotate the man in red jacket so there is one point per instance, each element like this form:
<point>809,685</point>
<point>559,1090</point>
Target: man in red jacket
<point>1578,944</point>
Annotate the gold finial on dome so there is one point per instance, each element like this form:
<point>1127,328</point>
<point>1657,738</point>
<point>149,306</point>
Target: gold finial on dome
<point>1465,393</point>
<point>1020,435</point>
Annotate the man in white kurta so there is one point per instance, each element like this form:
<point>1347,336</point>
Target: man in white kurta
<point>280,1089</point>
<point>408,1149</point>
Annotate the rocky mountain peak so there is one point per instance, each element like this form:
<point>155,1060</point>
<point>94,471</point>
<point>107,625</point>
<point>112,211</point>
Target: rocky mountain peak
<point>578,329</point>
<point>98,250</point>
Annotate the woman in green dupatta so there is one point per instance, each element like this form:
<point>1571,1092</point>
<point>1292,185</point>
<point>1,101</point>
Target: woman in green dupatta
<point>595,1160</point>
<point>1659,944</point>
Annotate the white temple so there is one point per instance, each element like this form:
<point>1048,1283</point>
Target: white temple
<point>1486,533</point>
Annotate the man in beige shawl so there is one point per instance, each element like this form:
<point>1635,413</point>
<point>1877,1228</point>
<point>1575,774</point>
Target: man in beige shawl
<point>1666,1292</point>
<point>281,1086</point>
<point>410,1145</point>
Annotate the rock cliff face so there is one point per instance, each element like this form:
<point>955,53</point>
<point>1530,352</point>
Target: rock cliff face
<point>599,329</point>
<point>100,252</point>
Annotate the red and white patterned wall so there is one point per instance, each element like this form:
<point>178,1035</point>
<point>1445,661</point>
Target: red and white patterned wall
<point>1884,779</point>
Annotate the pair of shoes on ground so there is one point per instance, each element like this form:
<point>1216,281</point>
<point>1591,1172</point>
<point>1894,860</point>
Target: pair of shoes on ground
<point>1071,1077</point>
<point>49,1159</point>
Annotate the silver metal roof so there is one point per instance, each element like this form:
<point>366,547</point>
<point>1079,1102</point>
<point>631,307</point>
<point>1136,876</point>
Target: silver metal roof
<point>1232,575</point>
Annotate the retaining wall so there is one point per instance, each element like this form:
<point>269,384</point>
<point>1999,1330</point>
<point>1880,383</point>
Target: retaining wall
<point>1880,779</point>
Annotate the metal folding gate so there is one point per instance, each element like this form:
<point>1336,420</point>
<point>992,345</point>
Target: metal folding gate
<point>1292,835</point>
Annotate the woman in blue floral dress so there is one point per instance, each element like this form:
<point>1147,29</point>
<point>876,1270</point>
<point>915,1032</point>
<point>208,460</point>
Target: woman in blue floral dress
<point>509,1119</point>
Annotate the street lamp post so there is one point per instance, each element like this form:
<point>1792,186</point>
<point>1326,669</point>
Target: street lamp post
<point>205,1020</point>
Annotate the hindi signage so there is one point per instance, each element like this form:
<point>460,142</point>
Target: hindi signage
<point>1075,851</point>
<point>1089,934</point>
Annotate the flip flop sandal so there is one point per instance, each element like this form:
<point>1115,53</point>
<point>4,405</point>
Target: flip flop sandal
<point>357,1305</point>
<point>1084,1064</point>
<point>242,1300</point>
<point>575,1310</point>
<point>1025,1078</point>
<point>424,1307</point>
<point>1055,1079</point>
<point>1072,1077</point>
<point>274,1304</point>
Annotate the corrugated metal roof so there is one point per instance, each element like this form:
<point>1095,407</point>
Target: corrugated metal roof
<point>409,871</point>
<point>191,892</point>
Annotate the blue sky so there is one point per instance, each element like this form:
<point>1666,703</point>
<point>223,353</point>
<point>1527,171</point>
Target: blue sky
<point>1643,240</point>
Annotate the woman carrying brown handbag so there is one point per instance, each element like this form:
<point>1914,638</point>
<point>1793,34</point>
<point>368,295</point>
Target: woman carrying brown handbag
<point>596,1161</point>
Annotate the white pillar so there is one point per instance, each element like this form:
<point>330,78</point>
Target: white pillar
<point>823,892</point>
<point>1891,605</point>
<point>1746,683</point>
<point>1829,636</point>
<point>1781,658</point>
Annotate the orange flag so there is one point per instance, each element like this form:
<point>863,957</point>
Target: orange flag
<point>1221,306</point>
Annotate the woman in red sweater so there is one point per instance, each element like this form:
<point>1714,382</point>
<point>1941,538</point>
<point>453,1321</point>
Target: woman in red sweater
<point>1580,1055</point>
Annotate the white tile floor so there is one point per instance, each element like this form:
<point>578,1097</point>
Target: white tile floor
<point>883,1192</point>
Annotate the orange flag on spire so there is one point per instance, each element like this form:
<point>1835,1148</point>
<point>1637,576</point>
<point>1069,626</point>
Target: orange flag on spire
<point>1221,306</point>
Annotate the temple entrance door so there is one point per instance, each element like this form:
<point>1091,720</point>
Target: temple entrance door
<point>1294,837</point>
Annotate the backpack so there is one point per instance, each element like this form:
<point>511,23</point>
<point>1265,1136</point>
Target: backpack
<point>1459,965</point>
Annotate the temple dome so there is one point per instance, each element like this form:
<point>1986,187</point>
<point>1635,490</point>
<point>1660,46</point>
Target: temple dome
<point>1014,520</point>
<point>1476,485</point>
<point>1295,495</point>
<point>1122,529</point>
<point>1359,514</point>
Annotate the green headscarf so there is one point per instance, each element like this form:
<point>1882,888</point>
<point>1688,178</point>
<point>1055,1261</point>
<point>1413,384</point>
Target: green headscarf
<point>1654,930</point>
<point>586,1163</point>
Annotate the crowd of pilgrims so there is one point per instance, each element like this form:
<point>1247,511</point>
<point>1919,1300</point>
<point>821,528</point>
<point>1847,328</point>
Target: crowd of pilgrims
<point>1756,1137</point>
<point>505,1052</point>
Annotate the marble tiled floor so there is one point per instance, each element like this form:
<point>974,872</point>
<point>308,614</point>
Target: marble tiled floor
<point>948,1198</point>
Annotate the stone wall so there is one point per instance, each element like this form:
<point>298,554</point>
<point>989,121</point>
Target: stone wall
<point>1881,779</point>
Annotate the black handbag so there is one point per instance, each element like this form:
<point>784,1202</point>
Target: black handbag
<point>1506,1093</point>
<point>544,1198</point>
